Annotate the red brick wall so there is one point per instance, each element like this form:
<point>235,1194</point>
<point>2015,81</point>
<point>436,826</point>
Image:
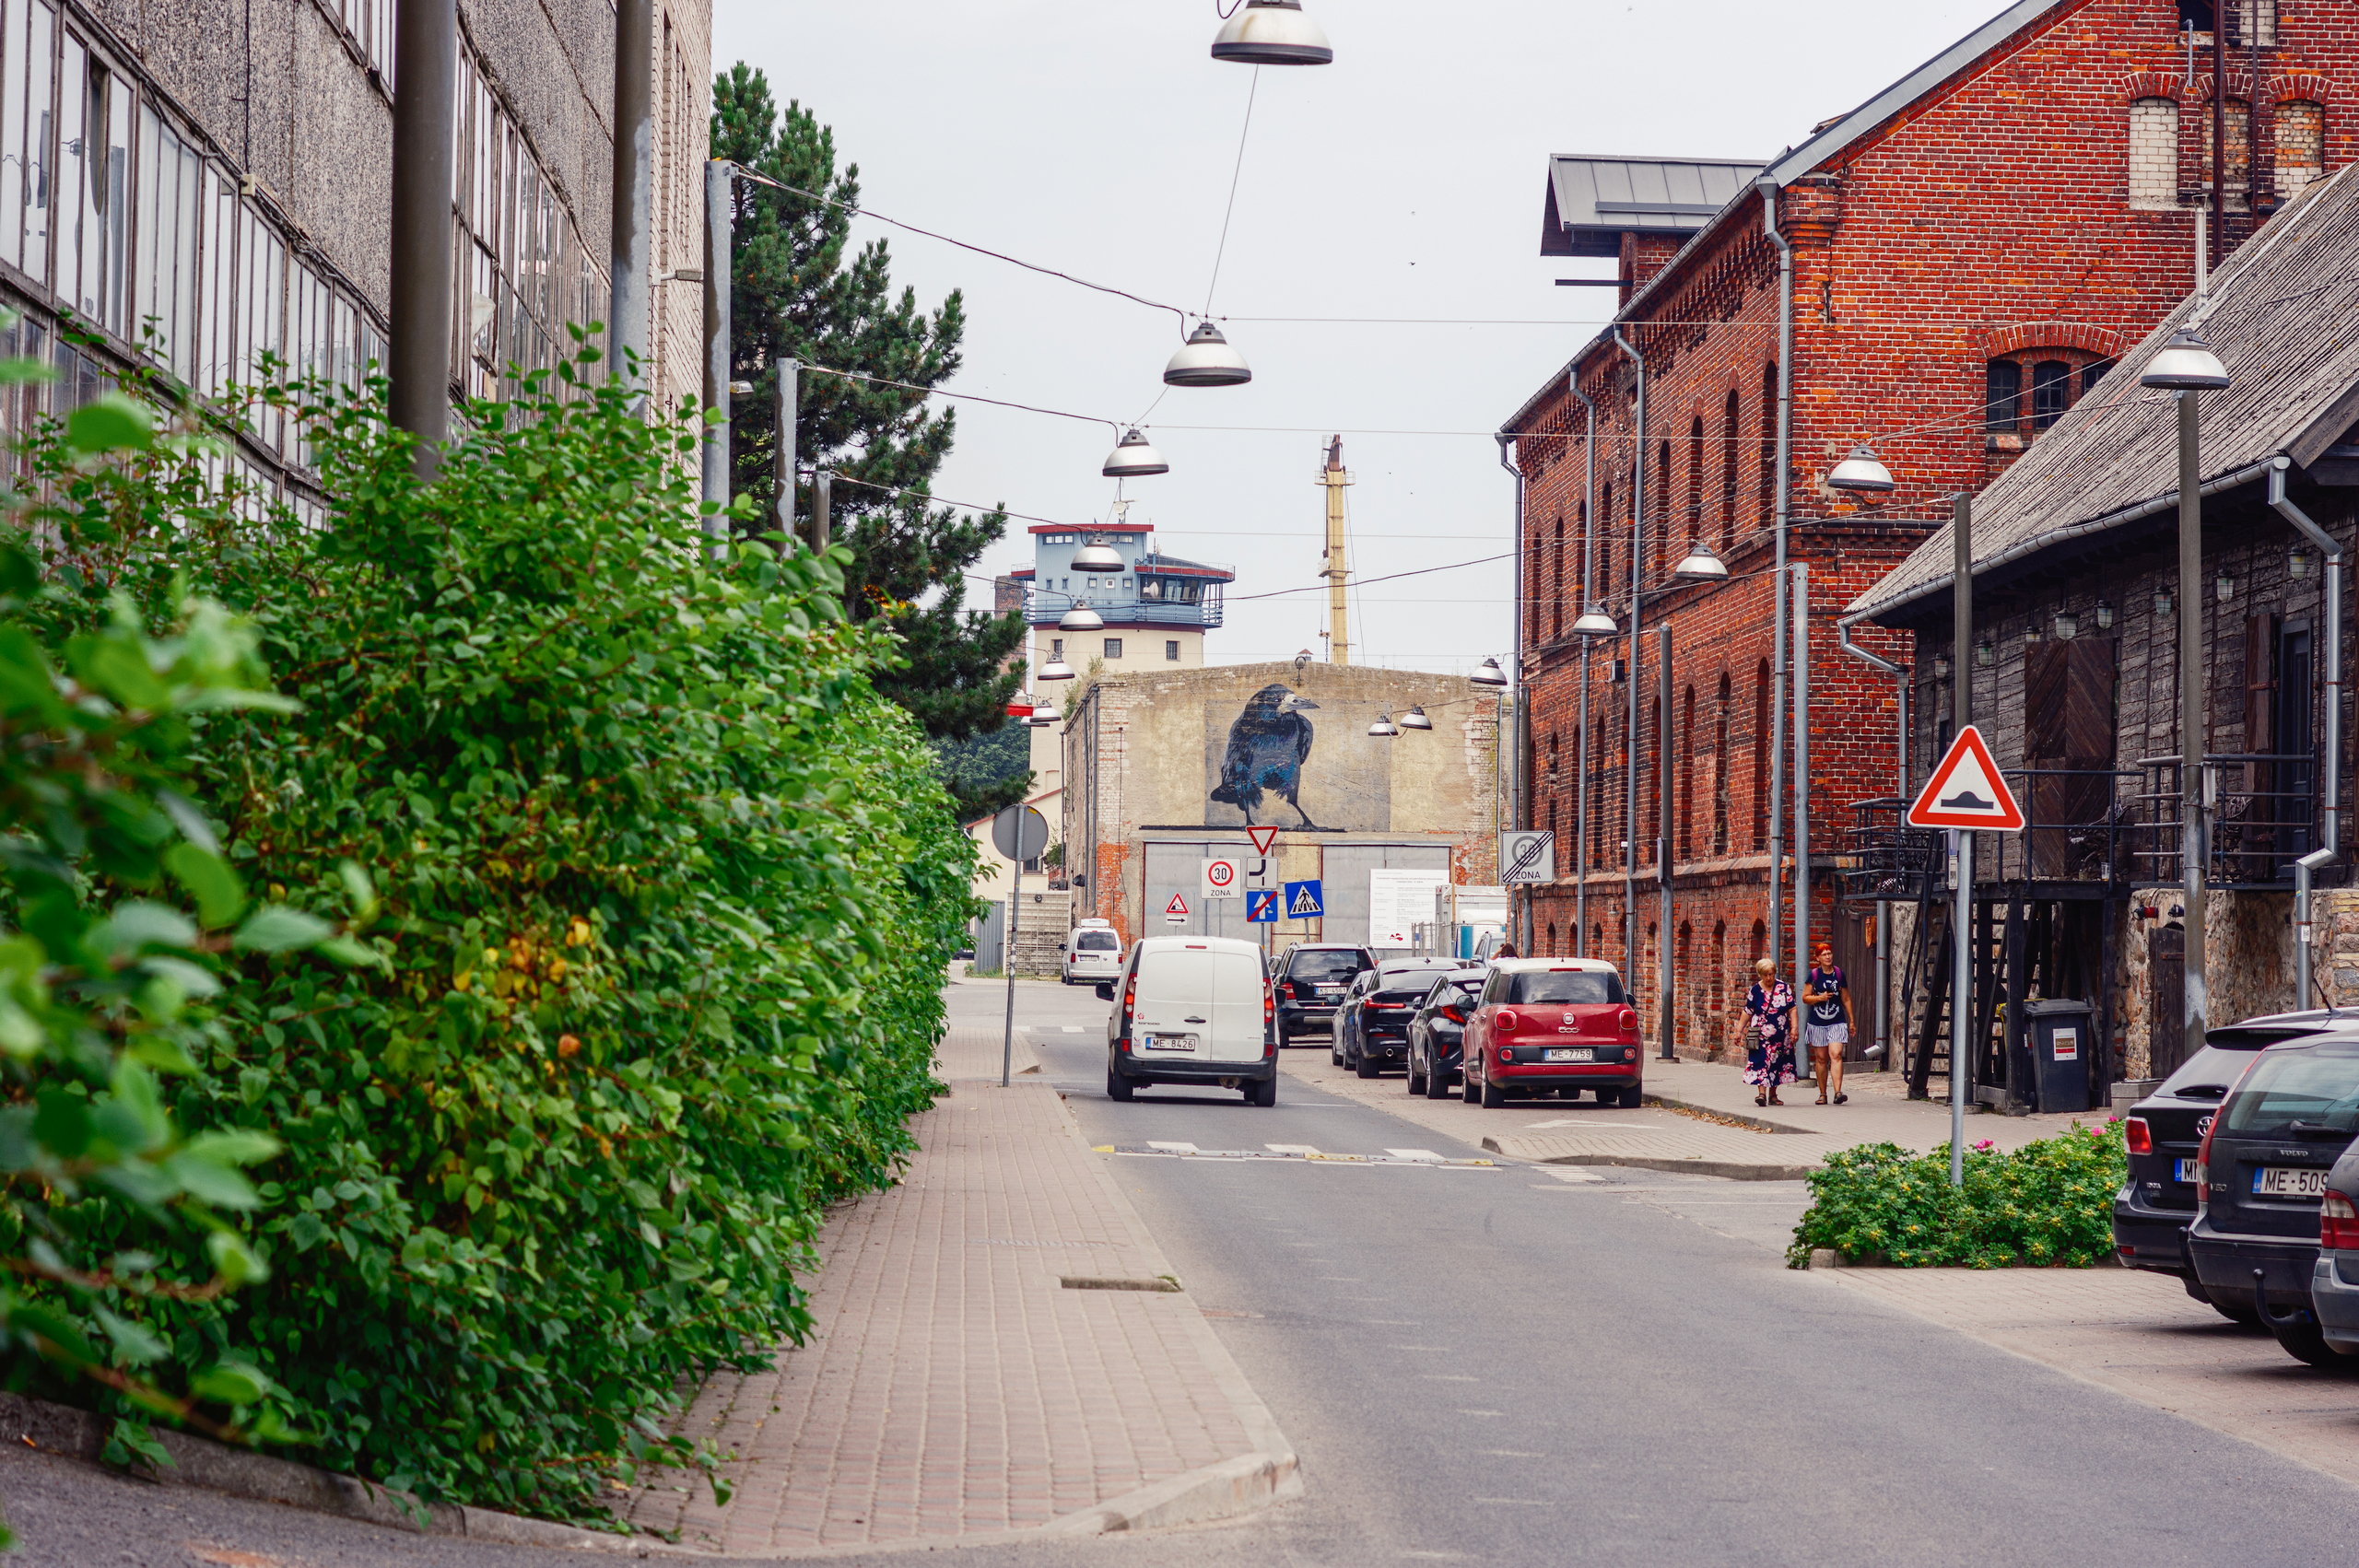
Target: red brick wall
<point>1993,218</point>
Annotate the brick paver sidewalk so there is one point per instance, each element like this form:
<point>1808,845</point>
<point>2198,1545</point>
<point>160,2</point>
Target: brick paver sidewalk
<point>954,1387</point>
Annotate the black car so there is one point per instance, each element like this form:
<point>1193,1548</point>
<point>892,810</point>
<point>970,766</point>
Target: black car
<point>1311,979</point>
<point>2260,1175</point>
<point>1437,1034</point>
<point>1372,1024</point>
<point>2163,1131</point>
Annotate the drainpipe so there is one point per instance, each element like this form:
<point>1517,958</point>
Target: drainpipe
<point>1768,188</point>
<point>1589,593</point>
<point>2331,816</point>
<point>720,183</point>
<point>1800,635</point>
<point>1882,1052</point>
<point>1517,809</point>
<point>1638,557</point>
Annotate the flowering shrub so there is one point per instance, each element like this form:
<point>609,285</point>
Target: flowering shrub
<point>2049,1203</point>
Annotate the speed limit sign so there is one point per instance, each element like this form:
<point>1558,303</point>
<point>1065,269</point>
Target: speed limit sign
<point>1224,879</point>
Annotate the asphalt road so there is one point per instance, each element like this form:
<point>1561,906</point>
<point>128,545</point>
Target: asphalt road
<point>1511,1368</point>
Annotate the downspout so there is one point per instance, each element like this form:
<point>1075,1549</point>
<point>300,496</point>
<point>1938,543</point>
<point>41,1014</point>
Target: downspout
<point>1768,188</point>
<point>1899,673</point>
<point>2331,816</point>
<point>1638,559</point>
<point>1589,594</point>
<point>1518,809</point>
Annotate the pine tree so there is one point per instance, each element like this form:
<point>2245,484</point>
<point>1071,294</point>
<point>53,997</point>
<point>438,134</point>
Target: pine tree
<point>796,295</point>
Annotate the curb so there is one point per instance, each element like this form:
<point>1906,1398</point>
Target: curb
<point>236,1472</point>
<point>1733,1170</point>
<point>1216,1492</point>
<point>1759,1124</point>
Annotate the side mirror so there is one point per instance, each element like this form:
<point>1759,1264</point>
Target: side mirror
<point>1105,990</point>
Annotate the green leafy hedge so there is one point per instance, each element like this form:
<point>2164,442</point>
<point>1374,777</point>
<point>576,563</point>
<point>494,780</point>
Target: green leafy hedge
<point>662,891</point>
<point>2049,1202</point>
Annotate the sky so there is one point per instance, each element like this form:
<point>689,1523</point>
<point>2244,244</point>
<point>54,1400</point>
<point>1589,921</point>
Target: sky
<point>1398,189</point>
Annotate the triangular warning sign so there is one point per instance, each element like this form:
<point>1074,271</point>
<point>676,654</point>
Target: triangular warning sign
<point>1262,838</point>
<point>1967,791</point>
<point>1177,905</point>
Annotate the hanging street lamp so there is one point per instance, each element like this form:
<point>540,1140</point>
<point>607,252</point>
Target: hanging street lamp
<point>1096,556</point>
<point>1056,670</point>
<point>1595,622</point>
<point>1415,718</point>
<point>2186,364</point>
<point>1207,360</point>
<point>1382,729</point>
<point>1861,473</point>
<point>1489,674</point>
<point>1701,564</point>
<point>1080,618</point>
<point>1272,32</point>
<point>1132,458</point>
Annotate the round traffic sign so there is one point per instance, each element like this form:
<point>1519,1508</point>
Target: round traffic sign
<point>1221,874</point>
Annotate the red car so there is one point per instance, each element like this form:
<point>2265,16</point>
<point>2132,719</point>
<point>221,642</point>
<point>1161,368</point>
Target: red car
<point>1554,1025</point>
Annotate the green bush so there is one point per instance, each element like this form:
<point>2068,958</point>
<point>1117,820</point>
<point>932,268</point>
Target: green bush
<point>2049,1202</point>
<point>663,891</point>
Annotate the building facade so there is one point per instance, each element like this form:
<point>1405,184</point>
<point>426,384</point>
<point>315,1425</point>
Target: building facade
<point>206,186</point>
<point>1969,251</point>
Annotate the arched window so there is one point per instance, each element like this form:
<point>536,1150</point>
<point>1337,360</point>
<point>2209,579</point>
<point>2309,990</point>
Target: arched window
<point>1556,598</point>
<point>1653,819</point>
<point>1605,585</point>
<point>1768,476</point>
<point>2051,392</point>
<point>1694,484</point>
<point>1761,757</point>
<point>1684,958</point>
<point>1661,520</point>
<point>1716,998</point>
<point>2301,144</point>
<point>2154,153</point>
<point>1596,940</point>
<point>2002,396</point>
<point>1552,939</point>
<point>1760,945</point>
<point>1727,473</point>
<point>1720,775</point>
<point>1687,776</point>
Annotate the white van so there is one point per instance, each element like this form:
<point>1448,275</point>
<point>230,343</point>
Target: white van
<point>1093,953</point>
<point>1193,1010</point>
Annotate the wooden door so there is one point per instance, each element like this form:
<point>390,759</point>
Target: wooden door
<point>2165,1000</point>
<point>2069,726</point>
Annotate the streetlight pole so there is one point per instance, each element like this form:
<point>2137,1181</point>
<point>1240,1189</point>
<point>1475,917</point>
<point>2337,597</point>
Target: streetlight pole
<point>425,53</point>
<point>1663,1011</point>
<point>1630,685</point>
<point>719,225</point>
<point>2193,849</point>
<point>789,404</point>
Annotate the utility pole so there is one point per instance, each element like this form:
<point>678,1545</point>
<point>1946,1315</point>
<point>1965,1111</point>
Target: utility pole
<point>424,147</point>
<point>789,400</point>
<point>1336,481</point>
<point>720,224</point>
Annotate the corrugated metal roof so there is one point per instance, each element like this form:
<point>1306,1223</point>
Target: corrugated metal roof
<point>1593,201</point>
<point>2279,317</point>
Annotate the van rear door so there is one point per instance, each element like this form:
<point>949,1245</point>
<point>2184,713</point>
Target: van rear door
<point>1175,995</point>
<point>1237,1006</point>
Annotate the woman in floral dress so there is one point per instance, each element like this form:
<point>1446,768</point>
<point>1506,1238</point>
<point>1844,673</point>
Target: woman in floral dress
<point>1769,1062</point>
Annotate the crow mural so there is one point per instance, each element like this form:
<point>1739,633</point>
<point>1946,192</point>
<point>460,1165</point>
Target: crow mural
<point>1267,746</point>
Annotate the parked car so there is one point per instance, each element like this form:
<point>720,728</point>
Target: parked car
<point>2334,1278</point>
<point>1553,1027</point>
<point>1193,1010</point>
<point>1093,953</point>
<point>1437,1033</point>
<point>1371,1028</point>
<point>2260,1173</point>
<point>2164,1132</point>
<point>1312,977</point>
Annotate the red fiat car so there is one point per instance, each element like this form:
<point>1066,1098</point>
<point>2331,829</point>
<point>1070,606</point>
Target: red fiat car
<point>1554,1025</point>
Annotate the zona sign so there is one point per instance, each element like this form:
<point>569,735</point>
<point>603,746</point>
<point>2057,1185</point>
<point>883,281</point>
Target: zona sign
<point>1967,791</point>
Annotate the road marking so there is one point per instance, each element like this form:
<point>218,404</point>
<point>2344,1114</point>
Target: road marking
<point>1072,1029</point>
<point>1421,1349</point>
<point>1482,1412</point>
<point>1596,1126</point>
<point>1291,1148</point>
<point>1518,1502</point>
<point>1190,1152</point>
<point>1415,1155</point>
<point>1572,1175</point>
<point>1447,1378</point>
<point>1510,1454</point>
<point>1174,1148</point>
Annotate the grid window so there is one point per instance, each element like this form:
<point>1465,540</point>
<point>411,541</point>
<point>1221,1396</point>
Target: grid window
<point>2003,396</point>
<point>2051,392</point>
<point>1171,651</point>
<point>1113,647</point>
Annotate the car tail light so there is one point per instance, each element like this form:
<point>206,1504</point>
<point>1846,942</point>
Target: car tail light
<point>1505,1054</point>
<point>1269,1007</point>
<point>2135,1132</point>
<point>1628,1021</point>
<point>2203,1166</point>
<point>1505,1021</point>
<point>1130,1001</point>
<point>1453,1014</point>
<point>2338,1222</point>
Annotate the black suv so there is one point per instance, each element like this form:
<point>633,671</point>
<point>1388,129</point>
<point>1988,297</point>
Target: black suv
<point>2260,1175</point>
<point>1371,1030</point>
<point>2151,1211</point>
<point>1311,980</point>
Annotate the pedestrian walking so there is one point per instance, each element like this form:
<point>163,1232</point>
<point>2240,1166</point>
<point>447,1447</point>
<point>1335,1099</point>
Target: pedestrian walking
<point>1769,1063</point>
<point>1826,1027</point>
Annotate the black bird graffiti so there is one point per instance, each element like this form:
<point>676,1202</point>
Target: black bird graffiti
<point>1266,748</point>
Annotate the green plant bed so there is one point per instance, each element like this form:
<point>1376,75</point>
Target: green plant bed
<point>2047,1204</point>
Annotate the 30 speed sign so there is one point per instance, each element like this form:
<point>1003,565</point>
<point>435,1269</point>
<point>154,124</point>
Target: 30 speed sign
<point>1224,878</point>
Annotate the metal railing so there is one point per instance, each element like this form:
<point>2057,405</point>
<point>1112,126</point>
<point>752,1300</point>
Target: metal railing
<point>2263,814</point>
<point>2078,828</point>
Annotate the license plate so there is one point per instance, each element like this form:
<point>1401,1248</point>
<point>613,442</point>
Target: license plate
<point>2183,1171</point>
<point>1171,1041</point>
<point>1330,991</point>
<point>2289,1181</point>
<point>1569,1053</point>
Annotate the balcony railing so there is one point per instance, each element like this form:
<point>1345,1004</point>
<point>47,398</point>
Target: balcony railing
<point>1043,609</point>
<point>2264,817</point>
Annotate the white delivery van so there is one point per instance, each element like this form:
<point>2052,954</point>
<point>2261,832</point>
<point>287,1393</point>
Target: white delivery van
<point>1193,1010</point>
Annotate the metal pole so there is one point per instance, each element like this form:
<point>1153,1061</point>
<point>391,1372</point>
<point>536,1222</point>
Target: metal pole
<point>720,183</point>
<point>2220,125</point>
<point>823,498</point>
<point>1962,855</point>
<point>1961,996</point>
<point>1638,560</point>
<point>1663,975</point>
<point>426,56</point>
<point>630,330</point>
<point>1799,636</point>
<point>1007,1039</point>
<point>2193,848</point>
<point>1779,639</point>
<point>790,400</point>
<point>1588,597</point>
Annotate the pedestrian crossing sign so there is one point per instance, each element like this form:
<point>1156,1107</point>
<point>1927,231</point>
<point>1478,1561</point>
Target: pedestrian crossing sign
<point>1302,901</point>
<point>1261,906</point>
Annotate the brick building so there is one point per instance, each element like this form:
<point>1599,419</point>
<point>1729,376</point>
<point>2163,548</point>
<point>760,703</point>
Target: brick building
<point>1970,251</point>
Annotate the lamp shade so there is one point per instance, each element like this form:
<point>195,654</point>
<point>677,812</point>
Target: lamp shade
<point>1700,566</point>
<point>1595,622</point>
<point>1080,618</point>
<point>1207,360</point>
<point>1272,32</point>
<point>2186,364</point>
<point>1489,674</point>
<point>1382,729</point>
<point>1416,720</point>
<point>1042,718</point>
<point>1132,458</point>
<point>1056,670</point>
<point>1861,473</point>
<point>1096,556</point>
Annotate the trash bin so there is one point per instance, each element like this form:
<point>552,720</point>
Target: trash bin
<point>2061,1044</point>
